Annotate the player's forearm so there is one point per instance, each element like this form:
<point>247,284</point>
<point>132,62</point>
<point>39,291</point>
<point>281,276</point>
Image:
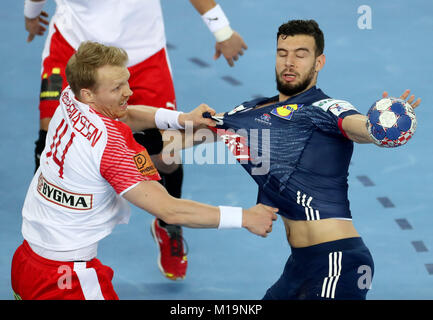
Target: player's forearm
<point>153,198</point>
<point>176,140</point>
<point>203,6</point>
<point>190,214</point>
<point>355,127</point>
<point>139,118</point>
<point>257,219</point>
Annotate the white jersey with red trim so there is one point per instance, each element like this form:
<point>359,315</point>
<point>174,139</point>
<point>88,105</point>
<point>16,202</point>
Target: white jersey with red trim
<point>88,163</point>
<point>134,25</point>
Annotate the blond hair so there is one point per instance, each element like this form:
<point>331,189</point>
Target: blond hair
<point>82,66</point>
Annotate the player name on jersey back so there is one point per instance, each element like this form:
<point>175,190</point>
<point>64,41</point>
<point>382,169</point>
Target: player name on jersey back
<point>80,122</point>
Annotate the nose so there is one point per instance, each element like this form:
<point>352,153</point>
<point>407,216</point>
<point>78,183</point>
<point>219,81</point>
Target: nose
<point>289,61</point>
<point>128,92</point>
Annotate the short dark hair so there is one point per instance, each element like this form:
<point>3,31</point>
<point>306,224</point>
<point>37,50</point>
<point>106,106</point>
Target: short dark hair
<point>305,27</point>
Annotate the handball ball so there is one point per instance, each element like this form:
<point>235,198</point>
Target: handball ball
<point>391,122</point>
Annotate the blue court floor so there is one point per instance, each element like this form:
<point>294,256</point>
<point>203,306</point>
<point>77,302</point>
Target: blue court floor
<point>391,191</point>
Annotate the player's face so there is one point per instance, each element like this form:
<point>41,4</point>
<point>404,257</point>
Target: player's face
<point>112,91</point>
<point>296,65</point>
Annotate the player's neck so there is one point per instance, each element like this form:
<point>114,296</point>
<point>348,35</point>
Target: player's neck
<point>283,97</point>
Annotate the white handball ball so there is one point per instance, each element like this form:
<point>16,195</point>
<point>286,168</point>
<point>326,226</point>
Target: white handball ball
<point>391,122</point>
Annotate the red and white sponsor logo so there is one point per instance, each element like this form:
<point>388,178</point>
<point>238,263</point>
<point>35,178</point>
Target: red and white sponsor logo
<point>62,197</point>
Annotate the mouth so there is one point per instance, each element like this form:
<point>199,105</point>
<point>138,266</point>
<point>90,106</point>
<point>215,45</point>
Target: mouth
<point>124,105</point>
<point>289,76</point>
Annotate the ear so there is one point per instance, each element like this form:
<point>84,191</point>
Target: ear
<point>86,96</point>
<point>320,62</point>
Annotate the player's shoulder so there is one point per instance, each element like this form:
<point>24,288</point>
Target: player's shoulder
<point>334,106</point>
<point>115,129</point>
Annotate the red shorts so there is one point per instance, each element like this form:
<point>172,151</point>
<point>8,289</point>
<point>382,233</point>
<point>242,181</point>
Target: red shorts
<point>36,278</point>
<point>150,80</point>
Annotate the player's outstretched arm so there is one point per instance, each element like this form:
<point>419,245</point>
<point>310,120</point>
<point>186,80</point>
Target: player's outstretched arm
<point>139,117</point>
<point>228,42</point>
<point>356,127</point>
<point>153,197</point>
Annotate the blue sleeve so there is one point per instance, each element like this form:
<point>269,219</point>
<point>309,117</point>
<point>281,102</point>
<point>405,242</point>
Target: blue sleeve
<point>328,114</point>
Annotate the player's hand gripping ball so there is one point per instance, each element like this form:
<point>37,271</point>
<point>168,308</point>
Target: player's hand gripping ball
<point>391,122</point>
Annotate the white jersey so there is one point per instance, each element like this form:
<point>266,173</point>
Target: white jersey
<point>134,25</point>
<point>89,161</point>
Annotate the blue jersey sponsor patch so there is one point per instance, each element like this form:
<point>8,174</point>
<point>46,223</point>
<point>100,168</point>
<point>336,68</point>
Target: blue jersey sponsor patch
<point>286,111</point>
<point>337,107</point>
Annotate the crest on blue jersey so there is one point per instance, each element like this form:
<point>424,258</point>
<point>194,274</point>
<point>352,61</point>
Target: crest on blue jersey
<point>264,119</point>
<point>286,111</point>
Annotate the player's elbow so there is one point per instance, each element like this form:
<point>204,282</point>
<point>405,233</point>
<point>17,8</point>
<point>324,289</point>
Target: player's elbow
<point>359,138</point>
<point>354,127</point>
<point>170,214</point>
<point>171,218</point>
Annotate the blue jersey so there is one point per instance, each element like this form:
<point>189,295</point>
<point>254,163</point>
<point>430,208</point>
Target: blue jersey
<point>297,152</point>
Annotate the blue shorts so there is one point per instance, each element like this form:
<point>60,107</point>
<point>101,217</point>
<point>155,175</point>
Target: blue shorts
<point>341,269</point>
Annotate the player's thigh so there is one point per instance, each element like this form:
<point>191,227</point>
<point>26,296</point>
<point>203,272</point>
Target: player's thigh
<point>36,278</point>
<point>286,287</point>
